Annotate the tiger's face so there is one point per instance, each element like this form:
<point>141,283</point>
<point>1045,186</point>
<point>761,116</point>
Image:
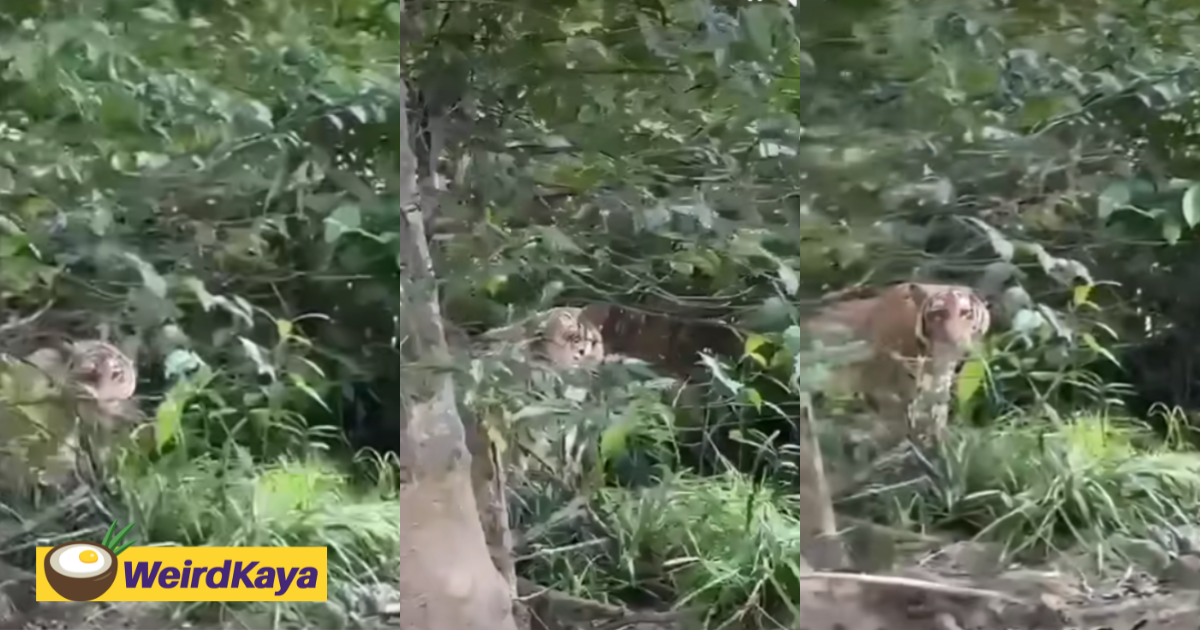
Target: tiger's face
<point>103,370</point>
<point>569,340</point>
<point>952,319</point>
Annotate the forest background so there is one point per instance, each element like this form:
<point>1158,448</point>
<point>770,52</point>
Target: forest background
<point>280,208</point>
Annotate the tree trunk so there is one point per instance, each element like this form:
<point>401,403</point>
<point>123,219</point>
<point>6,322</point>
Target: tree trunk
<point>819,538</point>
<point>447,578</point>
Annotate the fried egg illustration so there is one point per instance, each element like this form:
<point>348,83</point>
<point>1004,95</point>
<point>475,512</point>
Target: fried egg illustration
<point>80,560</point>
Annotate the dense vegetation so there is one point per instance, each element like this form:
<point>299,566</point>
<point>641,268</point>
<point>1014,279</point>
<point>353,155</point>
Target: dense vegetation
<point>247,197</point>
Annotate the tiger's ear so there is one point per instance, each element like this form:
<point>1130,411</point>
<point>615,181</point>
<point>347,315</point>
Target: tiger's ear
<point>595,314</point>
<point>915,292</point>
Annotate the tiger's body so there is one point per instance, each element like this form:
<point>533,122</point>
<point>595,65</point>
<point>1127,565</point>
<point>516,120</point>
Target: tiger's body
<point>917,335</point>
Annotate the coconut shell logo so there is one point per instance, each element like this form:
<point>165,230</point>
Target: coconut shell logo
<point>82,571</point>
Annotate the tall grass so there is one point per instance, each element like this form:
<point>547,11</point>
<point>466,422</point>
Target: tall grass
<point>291,501</point>
<point>1043,488</point>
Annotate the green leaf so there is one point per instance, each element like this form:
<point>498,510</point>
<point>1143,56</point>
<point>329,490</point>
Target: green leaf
<point>346,218</point>
<point>970,381</point>
<point>1115,197</point>
<point>1090,341</point>
<point>1171,229</point>
<point>754,398</point>
<point>8,183</point>
<point>753,342</point>
<point>181,362</point>
<point>256,354</point>
<point>1191,206</point>
<point>1002,246</point>
<point>299,383</point>
<point>168,418</point>
<point>150,278</point>
<point>791,282</point>
<point>614,439</point>
<point>756,23</point>
<point>719,373</point>
<point>1079,296</point>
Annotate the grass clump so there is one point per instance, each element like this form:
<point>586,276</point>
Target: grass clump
<point>1080,485</point>
<point>721,545</point>
<point>298,501</point>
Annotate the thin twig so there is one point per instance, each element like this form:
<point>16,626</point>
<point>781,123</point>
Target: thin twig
<point>18,323</point>
<point>914,583</point>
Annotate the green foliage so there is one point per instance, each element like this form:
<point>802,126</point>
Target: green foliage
<point>189,178</point>
<point>1086,484</point>
<point>233,501</point>
<point>721,546</point>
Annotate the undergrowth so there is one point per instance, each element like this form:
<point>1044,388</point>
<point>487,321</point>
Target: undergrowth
<point>726,545</point>
<point>233,500</point>
<point>730,547</point>
<point>1038,488</point>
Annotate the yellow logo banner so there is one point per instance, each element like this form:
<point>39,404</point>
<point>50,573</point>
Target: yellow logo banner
<point>85,571</point>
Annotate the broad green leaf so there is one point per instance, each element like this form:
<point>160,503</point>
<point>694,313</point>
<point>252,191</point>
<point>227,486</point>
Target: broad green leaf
<point>284,328</point>
<point>1080,294</point>
<point>754,398</point>
<point>346,218</point>
<point>970,381</point>
<point>791,282</point>
<point>754,342</point>
<point>150,278</point>
<point>1171,229</point>
<point>614,439</point>
<point>495,284</point>
<point>1115,197</point>
<point>7,182</point>
<point>181,362</point>
<point>756,23</point>
<point>168,419</point>
<point>1191,206</point>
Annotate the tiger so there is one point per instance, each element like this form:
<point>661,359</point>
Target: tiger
<point>917,335</point>
<point>102,371</point>
<point>950,321</point>
<point>57,399</point>
<point>570,337</point>
<point>564,336</point>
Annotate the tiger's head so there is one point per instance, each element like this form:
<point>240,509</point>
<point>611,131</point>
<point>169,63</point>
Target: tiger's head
<point>569,337</point>
<point>950,318</point>
<point>103,371</point>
